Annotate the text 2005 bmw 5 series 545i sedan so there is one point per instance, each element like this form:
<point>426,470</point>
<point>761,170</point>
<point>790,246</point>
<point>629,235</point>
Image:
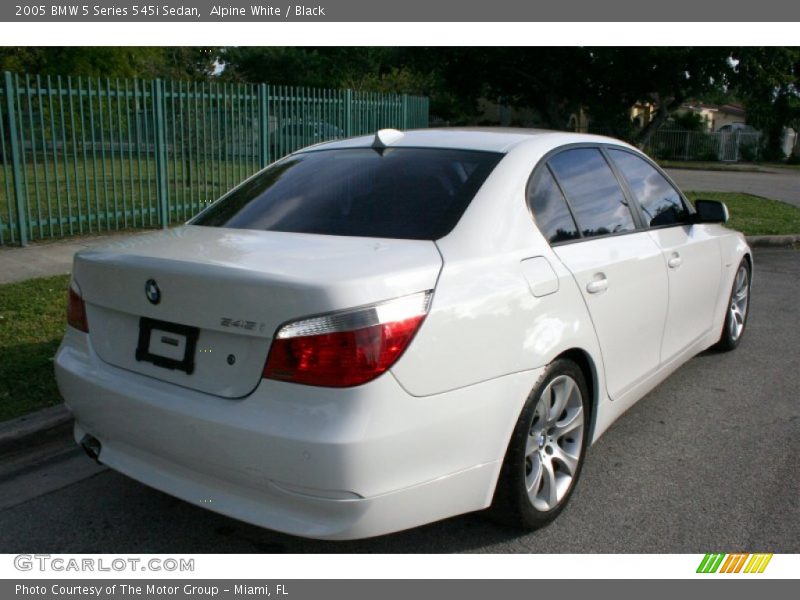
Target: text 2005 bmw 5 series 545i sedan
<point>379,332</point>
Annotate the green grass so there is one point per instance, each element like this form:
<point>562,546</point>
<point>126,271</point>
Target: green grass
<point>108,195</point>
<point>32,321</point>
<point>754,215</point>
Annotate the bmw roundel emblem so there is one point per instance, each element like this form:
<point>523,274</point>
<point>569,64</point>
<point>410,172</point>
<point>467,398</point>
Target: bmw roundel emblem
<point>152,292</point>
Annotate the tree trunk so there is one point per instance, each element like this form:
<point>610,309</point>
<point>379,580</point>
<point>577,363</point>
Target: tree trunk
<point>643,137</point>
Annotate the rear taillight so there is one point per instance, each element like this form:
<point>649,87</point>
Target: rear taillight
<point>346,348</point>
<point>76,309</point>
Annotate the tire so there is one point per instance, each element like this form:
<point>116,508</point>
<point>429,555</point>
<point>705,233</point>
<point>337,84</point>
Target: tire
<point>737,311</point>
<point>523,498</point>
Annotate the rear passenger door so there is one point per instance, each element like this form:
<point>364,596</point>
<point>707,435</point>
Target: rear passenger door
<point>581,208</point>
<point>692,256</point>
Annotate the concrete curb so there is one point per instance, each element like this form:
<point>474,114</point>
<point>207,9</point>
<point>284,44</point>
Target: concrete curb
<point>35,428</point>
<point>773,241</point>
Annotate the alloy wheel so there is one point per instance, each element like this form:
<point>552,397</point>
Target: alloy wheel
<point>554,443</point>
<point>739,303</point>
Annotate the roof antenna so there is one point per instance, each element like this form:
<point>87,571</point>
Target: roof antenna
<point>385,137</point>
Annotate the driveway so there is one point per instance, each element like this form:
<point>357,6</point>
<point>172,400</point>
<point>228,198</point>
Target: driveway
<point>779,184</point>
<point>706,462</point>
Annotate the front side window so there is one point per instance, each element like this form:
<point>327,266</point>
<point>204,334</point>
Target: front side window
<point>593,192</point>
<point>661,204</point>
<point>401,193</point>
<point>550,210</point>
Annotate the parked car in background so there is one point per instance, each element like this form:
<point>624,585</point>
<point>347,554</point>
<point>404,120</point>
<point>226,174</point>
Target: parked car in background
<point>740,127</point>
<point>379,332</point>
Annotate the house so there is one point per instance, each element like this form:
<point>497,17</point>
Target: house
<point>715,116</point>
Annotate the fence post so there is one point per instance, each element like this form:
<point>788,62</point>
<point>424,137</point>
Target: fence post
<point>405,111</point>
<point>16,160</point>
<point>263,124</point>
<point>162,191</point>
<point>348,113</point>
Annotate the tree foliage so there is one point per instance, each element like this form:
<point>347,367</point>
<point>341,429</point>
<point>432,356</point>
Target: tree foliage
<point>553,83</point>
<point>300,66</point>
<point>767,83</point>
<point>106,61</point>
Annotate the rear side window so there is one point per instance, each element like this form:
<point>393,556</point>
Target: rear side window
<point>593,192</point>
<point>661,204</point>
<point>550,210</point>
<point>404,193</point>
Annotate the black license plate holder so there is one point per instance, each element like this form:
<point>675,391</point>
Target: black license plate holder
<point>180,335</point>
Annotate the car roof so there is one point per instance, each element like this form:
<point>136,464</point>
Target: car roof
<point>489,139</point>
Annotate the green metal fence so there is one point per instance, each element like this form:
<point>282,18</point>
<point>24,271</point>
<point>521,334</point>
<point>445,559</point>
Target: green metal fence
<point>86,155</point>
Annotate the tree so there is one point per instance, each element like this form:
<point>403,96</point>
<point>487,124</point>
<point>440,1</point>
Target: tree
<point>105,61</point>
<point>557,82</point>
<point>767,82</point>
<point>301,66</point>
<point>439,73</point>
<point>664,77</point>
<point>458,76</point>
<point>554,82</point>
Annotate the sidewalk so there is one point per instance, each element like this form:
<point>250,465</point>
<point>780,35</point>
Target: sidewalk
<point>49,258</point>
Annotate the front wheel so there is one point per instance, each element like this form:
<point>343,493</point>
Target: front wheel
<point>545,454</point>
<point>738,307</point>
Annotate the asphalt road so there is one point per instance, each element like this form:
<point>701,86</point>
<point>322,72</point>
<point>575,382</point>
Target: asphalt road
<point>778,184</point>
<point>709,461</point>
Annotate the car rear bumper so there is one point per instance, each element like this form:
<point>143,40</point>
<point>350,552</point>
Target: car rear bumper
<point>315,462</point>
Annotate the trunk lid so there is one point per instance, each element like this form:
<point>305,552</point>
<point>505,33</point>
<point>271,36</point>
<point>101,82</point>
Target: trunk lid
<point>231,289</point>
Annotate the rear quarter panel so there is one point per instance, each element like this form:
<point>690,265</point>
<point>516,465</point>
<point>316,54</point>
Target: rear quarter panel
<point>485,321</point>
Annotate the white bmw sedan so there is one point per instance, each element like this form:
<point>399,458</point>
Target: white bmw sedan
<point>380,332</point>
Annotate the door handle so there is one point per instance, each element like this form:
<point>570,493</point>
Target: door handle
<point>598,284</point>
<point>674,261</point>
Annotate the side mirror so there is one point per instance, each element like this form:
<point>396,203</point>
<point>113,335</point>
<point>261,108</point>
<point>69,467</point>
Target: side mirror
<point>710,211</point>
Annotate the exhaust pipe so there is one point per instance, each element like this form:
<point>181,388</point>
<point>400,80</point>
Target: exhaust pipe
<point>92,446</point>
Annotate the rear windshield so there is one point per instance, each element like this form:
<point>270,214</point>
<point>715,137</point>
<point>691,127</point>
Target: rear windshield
<point>404,193</point>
